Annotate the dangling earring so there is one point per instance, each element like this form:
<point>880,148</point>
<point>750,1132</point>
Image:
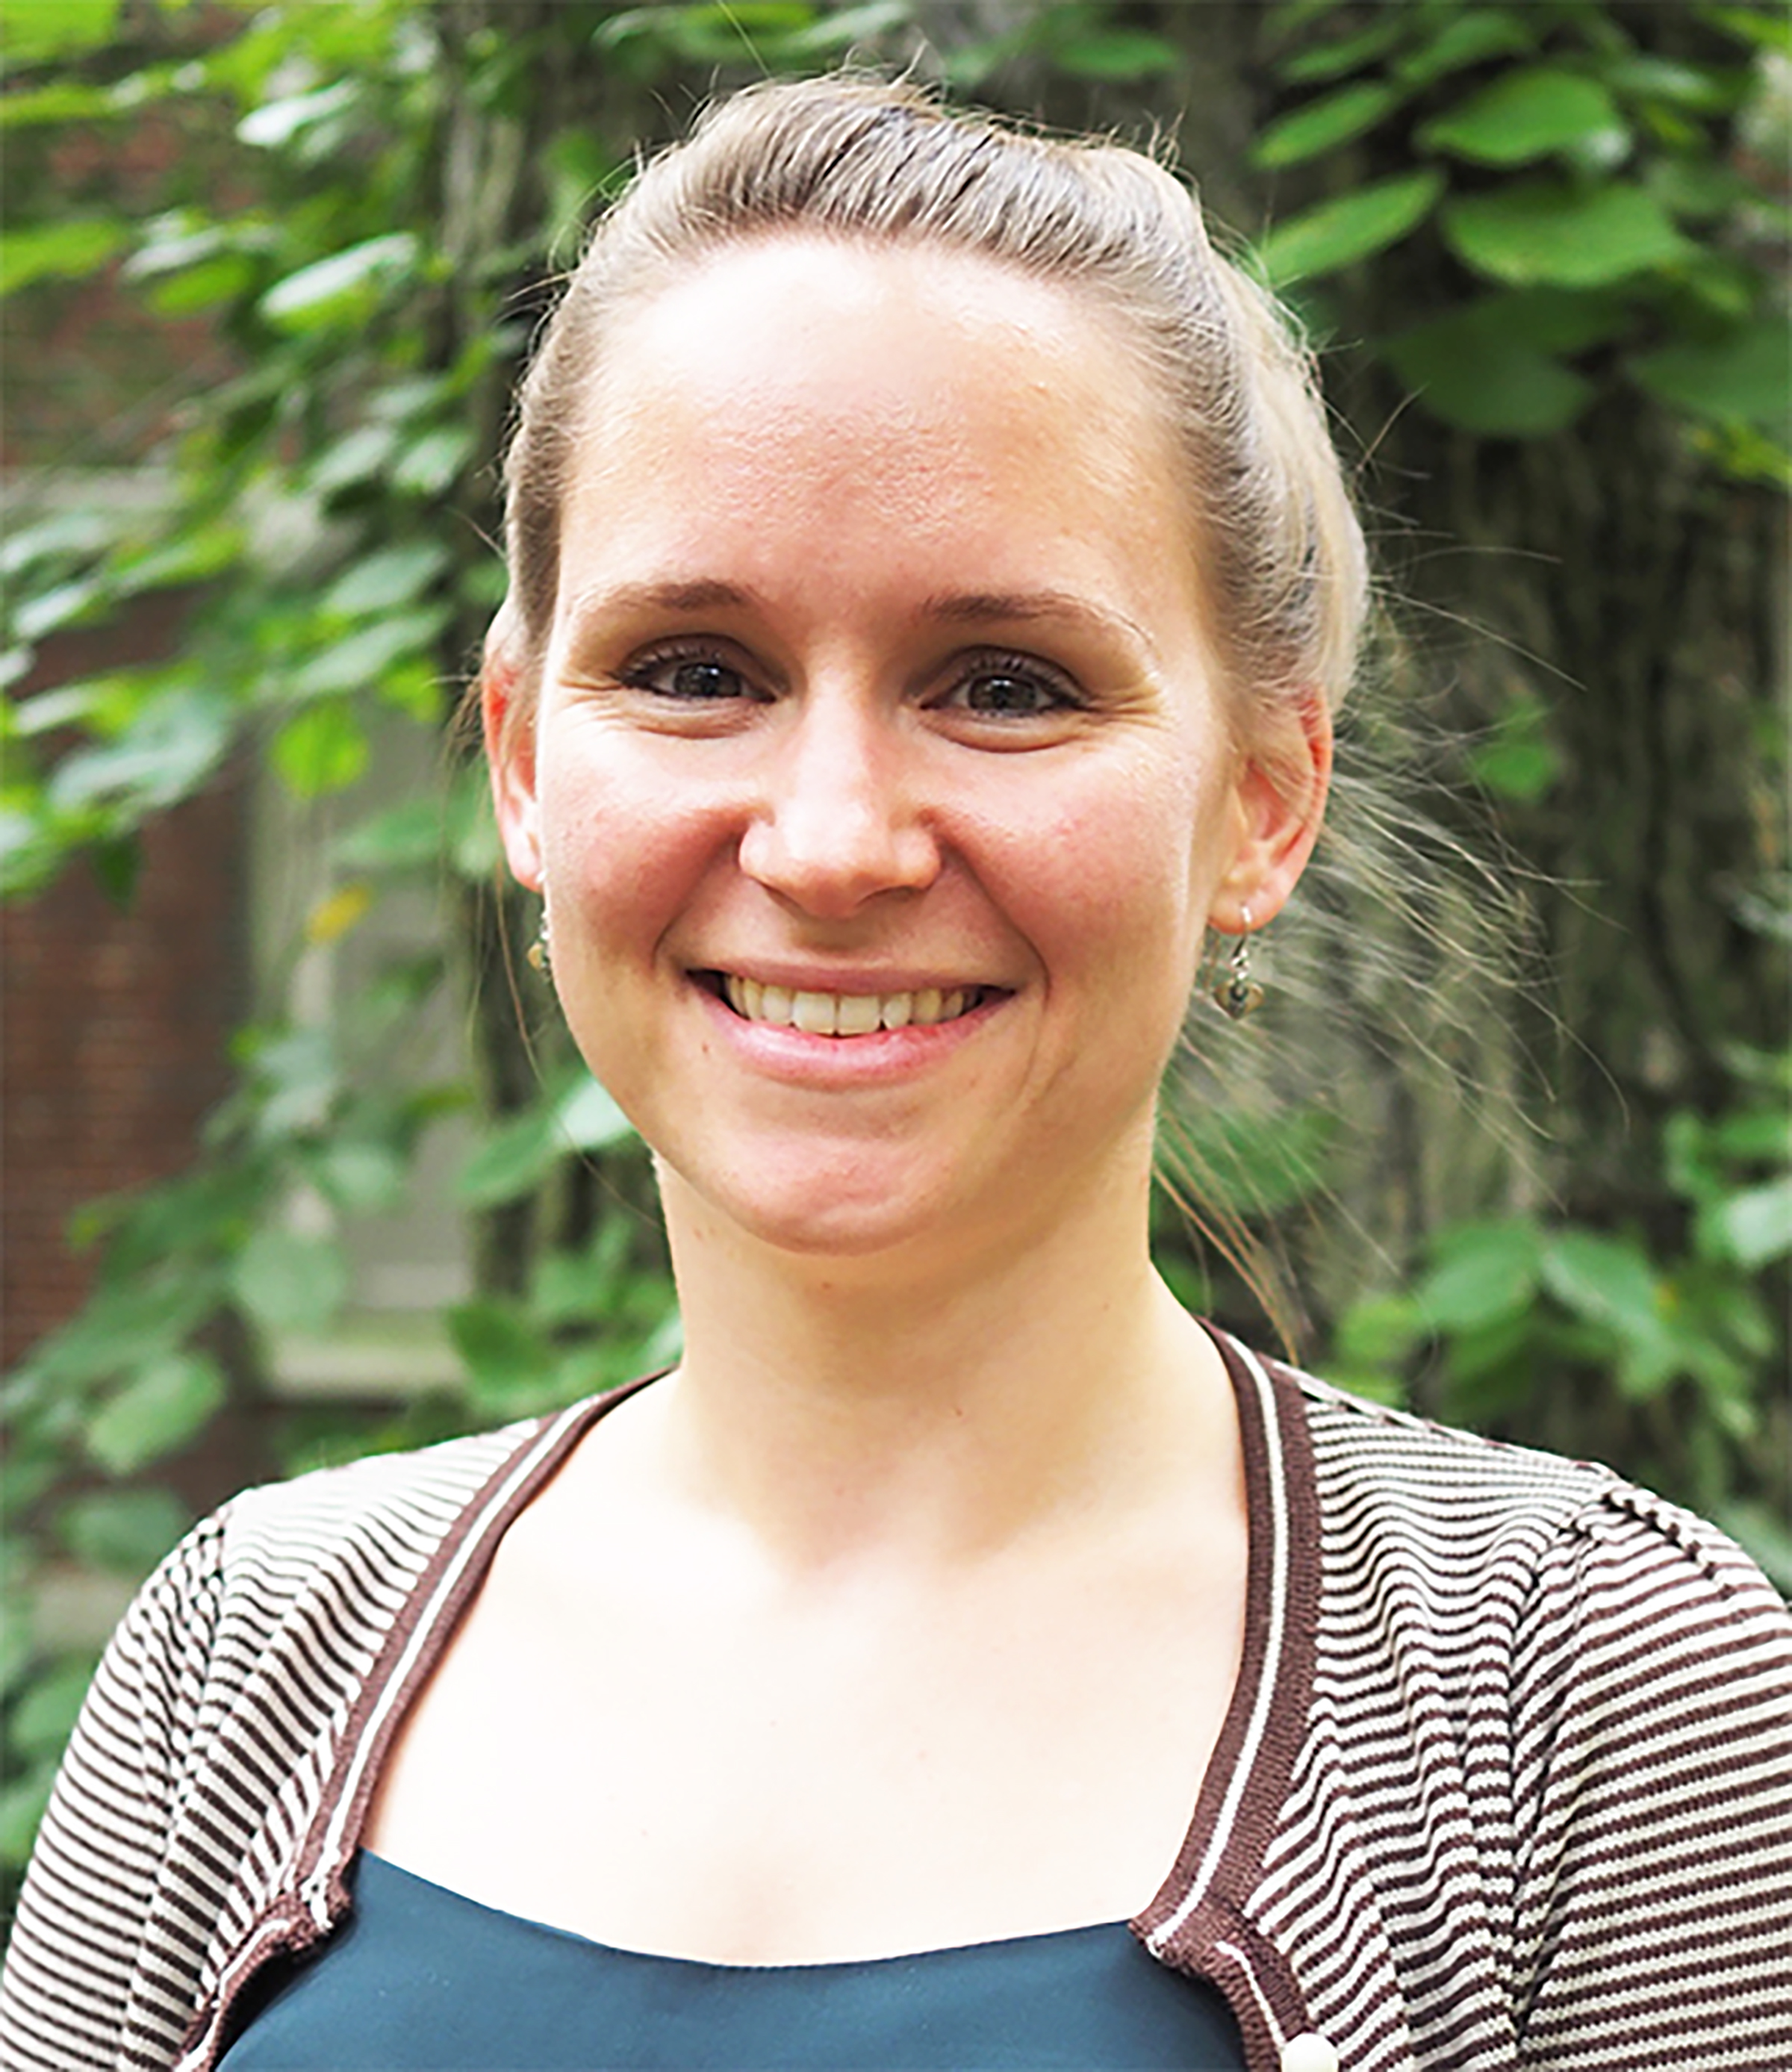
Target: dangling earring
<point>538,950</point>
<point>1237,995</point>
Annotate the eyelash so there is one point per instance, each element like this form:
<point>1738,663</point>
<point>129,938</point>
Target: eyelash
<point>1059,693</point>
<point>638,674</point>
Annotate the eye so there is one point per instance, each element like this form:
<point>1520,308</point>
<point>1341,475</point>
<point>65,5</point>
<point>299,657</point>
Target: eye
<point>1009,687</point>
<point>691,675</point>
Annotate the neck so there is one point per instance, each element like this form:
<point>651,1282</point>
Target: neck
<point>943,1405</point>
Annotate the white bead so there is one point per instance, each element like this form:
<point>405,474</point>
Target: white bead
<point>1310,2053</point>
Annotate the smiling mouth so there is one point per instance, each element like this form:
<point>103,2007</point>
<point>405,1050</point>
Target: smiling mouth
<point>843,1013</point>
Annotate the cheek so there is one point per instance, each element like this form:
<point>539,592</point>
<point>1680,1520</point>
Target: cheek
<point>1124,865</point>
<point>620,842</point>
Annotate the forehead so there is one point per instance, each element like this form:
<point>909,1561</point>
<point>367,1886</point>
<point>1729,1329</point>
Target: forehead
<point>931,397</point>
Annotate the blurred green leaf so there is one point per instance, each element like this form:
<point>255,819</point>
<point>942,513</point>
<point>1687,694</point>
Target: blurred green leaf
<point>510,1363</point>
<point>342,289</point>
<point>125,1531</point>
<point>288,1282</point>
<point>1470,37</point>
<point>72,246</point>
<point>1309,63</point>
<point>1547,230</point>
<point>1486,1273</point>
<point>1354,227</point>
<point>32,31</point>
<point>1529,113</point>
<point>1322,125</point>
<point>277,122</point>
<point>1746,376</point>
<point>1752,1226</point>
<point>44,1717</point>
<point>321,750</point>
<point>588,1119</point>
<point>1469,369</point>
<point>1606,1280</point>
<point>157,1411</point>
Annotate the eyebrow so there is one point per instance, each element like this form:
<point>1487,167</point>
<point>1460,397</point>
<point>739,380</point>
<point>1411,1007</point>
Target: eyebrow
<point>1021,606</point>
<point>702,595</point>
<point>955,607</point>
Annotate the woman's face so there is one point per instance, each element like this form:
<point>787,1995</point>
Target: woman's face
<point>879,783</point>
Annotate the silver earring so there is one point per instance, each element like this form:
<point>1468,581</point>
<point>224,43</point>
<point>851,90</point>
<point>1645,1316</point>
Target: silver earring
<point>538,950</point>
<point>1237,994</point>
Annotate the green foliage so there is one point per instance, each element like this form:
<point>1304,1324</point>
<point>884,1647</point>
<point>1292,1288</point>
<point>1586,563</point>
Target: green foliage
<point>1582,170</point>
<point>1658,1341</point>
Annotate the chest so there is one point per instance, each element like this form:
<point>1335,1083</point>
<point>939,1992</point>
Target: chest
<point>667,1761</point>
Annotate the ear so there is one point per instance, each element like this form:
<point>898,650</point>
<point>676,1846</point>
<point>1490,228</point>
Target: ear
<point>1281,800</point>
<point>509,728</point>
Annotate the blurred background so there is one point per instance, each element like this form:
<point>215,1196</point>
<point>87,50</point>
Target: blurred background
<point>298,1162</point>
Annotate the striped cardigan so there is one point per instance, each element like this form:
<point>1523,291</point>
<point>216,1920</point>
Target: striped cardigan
<point>1506,1780</point>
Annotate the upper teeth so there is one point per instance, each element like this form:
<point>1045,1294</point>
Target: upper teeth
<point>843,1014</point>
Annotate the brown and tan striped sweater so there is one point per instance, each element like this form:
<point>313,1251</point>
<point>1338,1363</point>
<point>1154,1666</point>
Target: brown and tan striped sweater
<point>1506,1781</point>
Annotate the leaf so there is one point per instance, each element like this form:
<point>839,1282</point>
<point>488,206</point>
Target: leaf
<point>588,1119</point>
<point>176,742</point>
<point>1347,53</point>
<point>70,247</point>
<point>342,289</point>
<point>32,30</point>
<point>1486,1273</point>
<point>156,1412</point>
<point>1608,1280</point>
<point>838,28</point>
<point>1114,54</point>
<point>1747,377</point>
<point>390,576</point>
<point>1545,230</point>
<point>1753,1227</point>
<point>1322,125</point>
<point>288,1282</point>
<point>358,661</point>
<point>1469,370</point>
<point>1379,1331</point>
<point>1767,28</point>
<point>1354,226</point>
<point>1466,39</point>
<point>515,1156</point>
<point>429,465</point>
<point>278,122</point>
<point>322,750</point>
<point>507,1358</point>
<point>360,1178</point>
<point>1526,115</point>
<point>1521,761</point>
<point>125,1531</point>
<point>339,912</point>
<point>60,101</point>
<point>407,836</point>
<point>45,1717</point>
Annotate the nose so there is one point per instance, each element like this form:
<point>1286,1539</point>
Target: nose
<point>838,818</point>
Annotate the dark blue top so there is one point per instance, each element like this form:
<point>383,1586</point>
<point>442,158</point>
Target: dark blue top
<point>421,1979</point>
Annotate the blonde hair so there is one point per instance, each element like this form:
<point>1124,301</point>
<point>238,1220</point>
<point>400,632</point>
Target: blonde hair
<point>1280,547</point>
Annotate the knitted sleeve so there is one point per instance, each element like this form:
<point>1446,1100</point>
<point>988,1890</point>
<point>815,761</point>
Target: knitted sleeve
<point>1652,1756</point>
<point>88,1982</point>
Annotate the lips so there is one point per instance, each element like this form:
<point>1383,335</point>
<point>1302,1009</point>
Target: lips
<point>844,1013</point>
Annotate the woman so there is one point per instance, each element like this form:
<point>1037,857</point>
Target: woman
<point>930,586</point>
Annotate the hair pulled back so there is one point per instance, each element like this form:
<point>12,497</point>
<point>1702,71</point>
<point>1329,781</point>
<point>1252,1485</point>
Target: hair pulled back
<point>1279,547</point>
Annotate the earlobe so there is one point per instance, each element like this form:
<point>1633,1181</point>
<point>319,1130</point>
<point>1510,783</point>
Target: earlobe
<point>509,730</point>
<point>1281,802</point>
